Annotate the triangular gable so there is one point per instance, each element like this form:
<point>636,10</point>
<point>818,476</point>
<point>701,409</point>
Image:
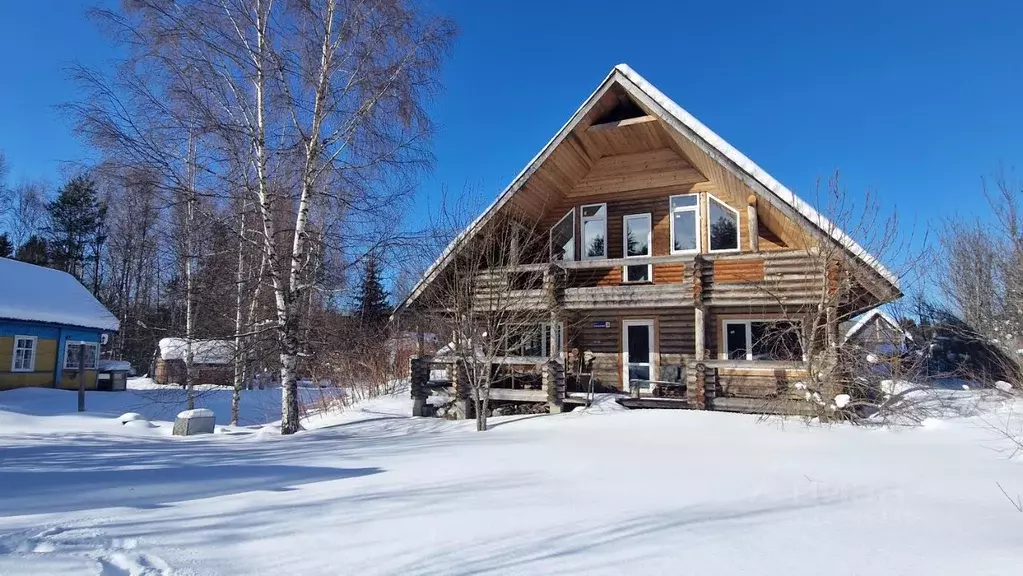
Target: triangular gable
<point>693,132</point>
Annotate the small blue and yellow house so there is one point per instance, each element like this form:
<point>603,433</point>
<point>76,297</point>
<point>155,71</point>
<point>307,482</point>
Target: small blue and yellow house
<point>46,317</point>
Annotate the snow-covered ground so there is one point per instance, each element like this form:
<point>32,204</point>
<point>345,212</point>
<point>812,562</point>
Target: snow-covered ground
<point>602,491</point>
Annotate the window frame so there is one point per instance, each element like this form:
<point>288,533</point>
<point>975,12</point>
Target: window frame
<point>545,342</point>
<point>95,355</point>
<point>584,250</point>
<point>550,237</point>
<point>649,243</point>
<point>699,222</point>
<point>738,227</point>
<point>14,353</point>
<point>748,323</point>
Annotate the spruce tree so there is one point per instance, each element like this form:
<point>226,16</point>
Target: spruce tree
<point>373,308</point>
<point>34,251</point>
<point>6,248</point>
<point>76,230</point>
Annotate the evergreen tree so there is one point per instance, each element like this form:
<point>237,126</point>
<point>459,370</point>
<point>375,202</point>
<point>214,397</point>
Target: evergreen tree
<point>6,248</point>
<point>35,250</point>
<point>76,230</point>
<point>373,308</point>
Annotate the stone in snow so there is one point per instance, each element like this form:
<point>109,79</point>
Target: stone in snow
<point>196,421</point>
<point>1003,386</point>
<point>129,417</point>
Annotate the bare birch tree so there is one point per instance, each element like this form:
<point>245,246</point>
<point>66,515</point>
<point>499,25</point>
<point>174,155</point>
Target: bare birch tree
<point>319,104</point>
<point>496,308</point>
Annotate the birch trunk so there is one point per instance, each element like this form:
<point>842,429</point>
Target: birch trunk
<point>239,320</point>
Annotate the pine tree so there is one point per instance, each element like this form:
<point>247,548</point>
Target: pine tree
<point>372,304</point>
<point>6,248</point>
<point>76,231</point>
<point>35,250</point>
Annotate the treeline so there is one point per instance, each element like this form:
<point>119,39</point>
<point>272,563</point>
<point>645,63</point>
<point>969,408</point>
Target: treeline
<point>121,238</point>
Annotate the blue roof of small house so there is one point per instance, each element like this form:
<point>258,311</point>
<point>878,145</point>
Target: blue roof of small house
<point>36,294</point>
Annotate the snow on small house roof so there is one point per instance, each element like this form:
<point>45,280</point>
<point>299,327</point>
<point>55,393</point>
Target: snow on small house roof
<point>36,294</point>
<point>203,351</point>
<point>865,318</point>
<point>114,365</point>
<point>673,114</point>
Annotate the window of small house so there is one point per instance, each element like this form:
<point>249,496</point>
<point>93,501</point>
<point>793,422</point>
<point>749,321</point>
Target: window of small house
<point>637,244</point>
<point>24,354</point>
<point>594,231</point>
<point>71,352</point>
<point>563,238</point>
<point>685,223</point>
<point>762,340</point>
<point>723,225</point>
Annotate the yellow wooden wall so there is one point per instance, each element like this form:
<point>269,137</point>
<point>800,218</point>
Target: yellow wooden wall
<point>46,363</point>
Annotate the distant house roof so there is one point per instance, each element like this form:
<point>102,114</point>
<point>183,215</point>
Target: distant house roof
<point>851,328</point>
<point>203,351</point>
<point>37,294</point>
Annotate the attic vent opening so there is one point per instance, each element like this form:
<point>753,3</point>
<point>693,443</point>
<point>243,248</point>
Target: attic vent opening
<point>624,109</point>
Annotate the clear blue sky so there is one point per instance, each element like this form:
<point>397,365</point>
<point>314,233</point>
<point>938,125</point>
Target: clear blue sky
<point>916,99</point>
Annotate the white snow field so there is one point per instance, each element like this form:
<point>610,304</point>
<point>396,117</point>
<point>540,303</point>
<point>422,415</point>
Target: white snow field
<point>601,491</point>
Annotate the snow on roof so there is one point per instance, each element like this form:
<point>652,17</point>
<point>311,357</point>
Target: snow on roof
<point>864,319</point>
<point>37,294</point>
<point>203,351</point>
<point>114,365</point>
<point>634,83</point>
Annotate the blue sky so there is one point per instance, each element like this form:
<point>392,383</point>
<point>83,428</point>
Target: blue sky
<point>917,100</point>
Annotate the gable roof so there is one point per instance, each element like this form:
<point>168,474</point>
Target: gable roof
<point>690,128</point>
<point>37,294</point>
<point>865,319</point>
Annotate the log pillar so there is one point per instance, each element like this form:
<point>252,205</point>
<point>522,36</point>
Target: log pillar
<point>695,393</point>
<point>554,385</point>
<point>753,223</point>
<point>464,406</point>
<point>419,377</point>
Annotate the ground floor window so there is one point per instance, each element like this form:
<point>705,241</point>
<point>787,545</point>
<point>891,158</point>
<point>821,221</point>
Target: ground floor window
<point>534,340</point>
<point>761,340</point>
<point>24,354</point>
<point>71,353</point>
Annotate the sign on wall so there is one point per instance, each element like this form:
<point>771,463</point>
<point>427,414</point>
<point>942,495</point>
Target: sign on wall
<point>602,324</point>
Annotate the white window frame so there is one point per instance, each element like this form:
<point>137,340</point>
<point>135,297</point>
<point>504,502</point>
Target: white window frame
<point>584,252</point>
<point>67,356</point>
<point>738,226</point>
<point>14,353</point>
<point>699,222</point>
<point>748,322</point>
<point>550,237</point>
<point>649,243</point>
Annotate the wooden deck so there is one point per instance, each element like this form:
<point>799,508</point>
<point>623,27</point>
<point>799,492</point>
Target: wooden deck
<point>647,402</point>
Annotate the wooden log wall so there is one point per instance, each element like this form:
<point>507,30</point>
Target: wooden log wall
<point>768,278</point>
<point>674,333</point>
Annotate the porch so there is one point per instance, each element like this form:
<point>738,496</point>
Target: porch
<point>723,385</point>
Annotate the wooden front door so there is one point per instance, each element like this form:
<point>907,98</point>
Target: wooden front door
<point>638,352</point>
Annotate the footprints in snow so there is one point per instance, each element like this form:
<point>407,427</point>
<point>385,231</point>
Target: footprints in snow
<point>109,556</point>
